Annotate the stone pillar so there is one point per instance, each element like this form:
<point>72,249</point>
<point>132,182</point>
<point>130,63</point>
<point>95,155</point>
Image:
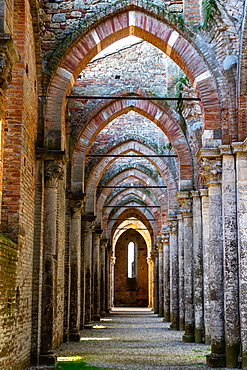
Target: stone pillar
<point>230,245</point>
<point>96,274</point>
<point>53,173</point>
<point>154,256</point>
<point>103,284</point>
<point>88,249</point>
<point>75,270</point>
<point>206,265</point>
<point>166,265</point>
<point>160,277</point>
<point>181,269</point>
<point>185,201</point>
<point>174,291</point>
<point>111,273</point>
<point>211,164</point>
<point>198,267</point>
<point>108,278</point>
<point>150,282</point>
<point>240,149</point>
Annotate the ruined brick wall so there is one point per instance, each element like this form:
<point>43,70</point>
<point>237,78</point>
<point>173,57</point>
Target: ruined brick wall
<point>128,293</point>
<point>18,192</point>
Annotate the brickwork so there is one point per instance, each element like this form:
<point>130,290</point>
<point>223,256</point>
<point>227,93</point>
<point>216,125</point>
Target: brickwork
<point>125,294</point>
<point>18,186</point>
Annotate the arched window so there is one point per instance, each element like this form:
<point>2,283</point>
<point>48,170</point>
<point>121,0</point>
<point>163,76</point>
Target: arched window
<point>131,260</point>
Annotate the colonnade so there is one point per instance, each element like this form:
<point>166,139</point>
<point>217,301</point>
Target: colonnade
<point>199,282</point>
<point>204,248</point>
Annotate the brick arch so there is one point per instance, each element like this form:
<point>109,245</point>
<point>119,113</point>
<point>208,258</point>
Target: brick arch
<point>179,46</point>
<point>124,214</point>
<point>121,195</point>
<point>133,225</point>
<point>138,148</point>
<point>159,195</point>
<point>166,122</point>
<point>130,202</point>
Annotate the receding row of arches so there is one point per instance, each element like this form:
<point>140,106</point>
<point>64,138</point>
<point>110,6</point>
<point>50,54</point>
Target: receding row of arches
<point>114,192</point>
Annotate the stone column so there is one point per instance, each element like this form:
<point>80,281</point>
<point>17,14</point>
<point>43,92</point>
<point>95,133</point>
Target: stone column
<point>103,284</point>
<point>174,296</point>
<point>150,282</point>
<point>53,173</point>
<point>198,267</point>
<point>96,274</point>
<point>166,265</point>
<point>211,164</point>
<point>181,269</point>
<point>111,272</point>
<point>206,265</point>
<point>75,269</point>
<point>160,277</point>
<point>240,150</point>
<point>88,241</point>
<point>185,201</point>
<point>154,256</point>
<point>230,245</point>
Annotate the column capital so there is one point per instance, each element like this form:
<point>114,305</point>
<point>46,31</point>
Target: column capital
<point>76,206</point>
<point>185,201</point>
<point>165,237</point>
<point>226,150</point>
<point>90,222</point>
<point>159,244</point>
<point>195,193</point>
<point>204,192</point>
<point>239,146</point>
<point>173,224</point>
<point>54,172</point>
<point>98,231</point>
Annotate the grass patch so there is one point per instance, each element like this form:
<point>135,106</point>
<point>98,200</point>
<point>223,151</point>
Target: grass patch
<point>74,363</point>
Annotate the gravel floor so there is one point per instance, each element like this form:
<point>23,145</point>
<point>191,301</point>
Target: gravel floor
<point>137,340</point>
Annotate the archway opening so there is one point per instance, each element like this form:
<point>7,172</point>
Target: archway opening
<point>131,271</point>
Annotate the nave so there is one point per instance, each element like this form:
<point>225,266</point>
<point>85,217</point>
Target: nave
<point>133,339</point>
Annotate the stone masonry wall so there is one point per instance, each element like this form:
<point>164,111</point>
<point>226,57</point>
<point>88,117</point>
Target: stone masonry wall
<point>59,18</point>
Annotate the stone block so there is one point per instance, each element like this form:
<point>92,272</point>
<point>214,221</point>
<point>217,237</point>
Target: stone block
<point>59,17</point>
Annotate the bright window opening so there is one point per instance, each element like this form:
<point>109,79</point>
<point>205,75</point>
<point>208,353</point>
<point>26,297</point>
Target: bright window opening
<point>131,260</point>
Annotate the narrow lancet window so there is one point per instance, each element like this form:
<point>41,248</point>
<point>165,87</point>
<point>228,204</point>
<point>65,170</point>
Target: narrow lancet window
<point>131,260</point>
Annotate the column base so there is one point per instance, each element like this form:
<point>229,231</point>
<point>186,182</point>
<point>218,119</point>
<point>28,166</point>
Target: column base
<point>74,337</point>
<point>66,338</point>
<point>214,360</point>
<point>96,317</point>
<point>188,338</point>
<point>207,339</point>
<point>88,325</point>
<point>181,324</point>
<point>166,317</point>
<point>174,326</point>
<point>199,336</point>
<point>48,358</point>
<point>232,355</point>
<point>102,314</point>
